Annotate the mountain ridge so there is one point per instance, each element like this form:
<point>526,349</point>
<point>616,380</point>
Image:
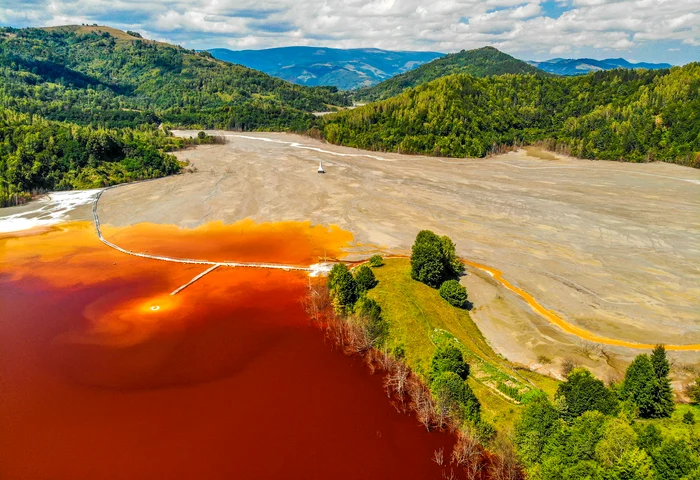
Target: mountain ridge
<point>346,69</point>
<point>582,66</point>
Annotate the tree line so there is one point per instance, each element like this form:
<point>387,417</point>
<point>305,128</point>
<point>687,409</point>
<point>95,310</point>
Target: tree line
<point>625,115</point>
<point>597,432</point>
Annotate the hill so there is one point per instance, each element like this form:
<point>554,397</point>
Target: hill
<point>581,66</point>
<point>482,62</point>
<point>346,69</point>
<point>105,76</point>
<point>616,115</point>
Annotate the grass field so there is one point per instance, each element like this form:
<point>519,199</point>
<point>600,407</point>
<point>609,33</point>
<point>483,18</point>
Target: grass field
<point>419,318</point>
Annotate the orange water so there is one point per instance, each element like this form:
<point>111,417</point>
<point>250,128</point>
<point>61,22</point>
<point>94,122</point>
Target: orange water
<point>224,380</point>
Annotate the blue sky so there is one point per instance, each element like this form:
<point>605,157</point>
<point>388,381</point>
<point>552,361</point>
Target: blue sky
<point>639,30</point>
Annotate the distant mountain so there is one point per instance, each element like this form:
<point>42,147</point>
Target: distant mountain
<point>346,69</point>
<point>581,66</point>
<point>481,62</point>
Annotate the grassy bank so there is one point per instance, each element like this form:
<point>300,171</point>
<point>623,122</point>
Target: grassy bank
<point>418,317</point>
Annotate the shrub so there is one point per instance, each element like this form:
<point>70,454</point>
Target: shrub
<point>376,261</point>
<point>454,293</point>
<point>201,135</point>
<point>371,313</point>
<point>689,418</point>
<point>448,358</point>
<point>365,278</point>
<point>693,391</point>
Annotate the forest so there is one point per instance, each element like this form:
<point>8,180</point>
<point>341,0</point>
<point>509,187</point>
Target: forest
<point>38,155</point>
<point>108,78</point>
<point>80,106</point>
<point>624,115</point>
<point>480,62</point>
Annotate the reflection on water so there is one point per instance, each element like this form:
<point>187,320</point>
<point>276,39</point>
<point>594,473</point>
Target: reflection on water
<point>103,374</point>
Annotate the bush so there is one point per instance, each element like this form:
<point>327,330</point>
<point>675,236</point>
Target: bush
<point>365,278</point>
<point>376,261</point>
<point>454,293</point>
<point>448,358</point>
<point>693,391</point>
<point>689,418</point>
<point>201,135</point>
<point>370,313</point>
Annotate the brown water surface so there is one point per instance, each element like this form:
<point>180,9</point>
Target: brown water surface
<point>104,375</point>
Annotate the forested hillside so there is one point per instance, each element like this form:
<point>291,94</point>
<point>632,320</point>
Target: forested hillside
<point>104,76</point>
<point>40,155</point>
<point>615,115</point>
<point>481,62</point>
<point>80,106</point>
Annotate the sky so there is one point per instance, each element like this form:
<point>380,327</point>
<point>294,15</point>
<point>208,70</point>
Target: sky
<point>638,30</point>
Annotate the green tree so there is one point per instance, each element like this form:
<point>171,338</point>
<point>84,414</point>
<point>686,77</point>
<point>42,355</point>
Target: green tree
<point>365,278</point>
<point>641,386</point>
<point>454,293</point>
<point>693,391</point>
<point>535,428</point>
<point>371,313</point>
<point>376,261</point>
<point>674,459</point>
<point>342,287</point>
<point>454,394</point>
<point>453,263</point>
<point>664,395</point>
<point>427,263</point>
<point>448,358</point>
<point>583,392</point>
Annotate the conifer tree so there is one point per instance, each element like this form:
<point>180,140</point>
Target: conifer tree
<point>664,394</point>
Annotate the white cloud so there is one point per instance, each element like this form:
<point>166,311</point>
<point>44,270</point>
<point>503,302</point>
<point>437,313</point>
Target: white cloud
<point>443,25</point>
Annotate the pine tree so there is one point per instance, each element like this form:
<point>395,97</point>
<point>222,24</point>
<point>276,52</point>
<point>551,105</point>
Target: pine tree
<point>664,394</point>
<point>641,386</point>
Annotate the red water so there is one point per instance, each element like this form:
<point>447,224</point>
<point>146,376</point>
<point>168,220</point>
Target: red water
<point>225,380</point>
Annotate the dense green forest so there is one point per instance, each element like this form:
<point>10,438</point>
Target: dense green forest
<point>80,106</point>
<point>615,115</point>
<point>102,76</point>
<point>595,432</point>
<point>481,62</point>
<point>40,155</point>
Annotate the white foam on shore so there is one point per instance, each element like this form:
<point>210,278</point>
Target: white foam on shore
<point>49,210</point>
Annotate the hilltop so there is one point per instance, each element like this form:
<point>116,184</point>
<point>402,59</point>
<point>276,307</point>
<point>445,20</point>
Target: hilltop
<point>346,69</point>
<point>626,115</point>
<point>101,75</point>
<point>481,62</point>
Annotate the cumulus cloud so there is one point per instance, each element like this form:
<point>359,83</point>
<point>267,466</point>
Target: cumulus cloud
<point>525,27</point>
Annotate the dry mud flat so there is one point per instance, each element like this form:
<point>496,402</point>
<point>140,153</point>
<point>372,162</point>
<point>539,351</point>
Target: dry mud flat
<point>612,247</point>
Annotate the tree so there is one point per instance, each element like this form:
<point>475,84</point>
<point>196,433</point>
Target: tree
<point>454,293</point>
<point>376,261</point>
<point>583,392</point>
<point>664,395</point>
<point>448,358</point>
<point>427,263</point>
<point>452,262</point>
<point>454,395</point>
<point>693,391</point>
<point>641,386</point>
<point>674,459</point>
<point>535,427</point>
<point>342,287</point>
<point>365,278</point>
<point>375,326</point>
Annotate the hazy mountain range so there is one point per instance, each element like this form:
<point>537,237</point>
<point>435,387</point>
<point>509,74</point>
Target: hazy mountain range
<point>349,69</point>
<point>581,66</point>
<point>345,69</point>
